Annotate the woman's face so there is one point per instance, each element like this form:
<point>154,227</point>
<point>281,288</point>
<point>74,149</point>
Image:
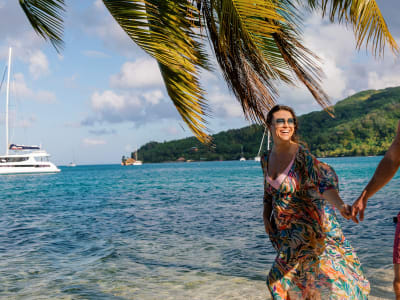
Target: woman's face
<point>282,126</point>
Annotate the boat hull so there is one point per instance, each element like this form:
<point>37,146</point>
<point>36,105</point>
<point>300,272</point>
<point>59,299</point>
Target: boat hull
<point>27,170</point>
<point>27,163</point>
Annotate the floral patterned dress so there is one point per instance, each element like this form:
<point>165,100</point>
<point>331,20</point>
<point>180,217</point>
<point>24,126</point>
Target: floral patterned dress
<point>314,260</point>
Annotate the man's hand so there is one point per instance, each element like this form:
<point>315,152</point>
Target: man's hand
<point>359,206</point>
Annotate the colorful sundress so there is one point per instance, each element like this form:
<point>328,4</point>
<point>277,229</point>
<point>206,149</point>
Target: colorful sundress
<point>314,260</point>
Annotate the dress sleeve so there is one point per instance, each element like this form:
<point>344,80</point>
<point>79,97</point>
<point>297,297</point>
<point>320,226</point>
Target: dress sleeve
<point>320,174</point>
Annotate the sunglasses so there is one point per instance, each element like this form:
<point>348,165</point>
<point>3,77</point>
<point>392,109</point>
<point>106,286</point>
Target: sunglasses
<point>281,122</point>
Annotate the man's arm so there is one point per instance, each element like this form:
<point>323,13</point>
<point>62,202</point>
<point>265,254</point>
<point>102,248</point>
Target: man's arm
<point>385,171</point>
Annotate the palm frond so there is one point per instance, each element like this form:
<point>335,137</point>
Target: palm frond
<point>166,31</point>
<point>302,62</point>
<point>240,59</point>
<point>368,23</point>
<point>46,18</point>
<point>256,44</point>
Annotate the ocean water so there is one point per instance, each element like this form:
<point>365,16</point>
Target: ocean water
<point>164,231</point>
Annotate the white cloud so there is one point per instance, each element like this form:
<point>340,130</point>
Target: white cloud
<point>153,97</point>
<point>110,100</point>
<point>139,74</point>
<point>377,81</point>
<point>93,142</point>
<point>20,89</point>
<point>335,82</point>
<point>38,64</point>
<point>97,21</point>
<point>112,107</point>
<point>17,32</point>
<point>223,104</point>
<point>95,54</point>
<point>329,41</point>
<point>127,106</point>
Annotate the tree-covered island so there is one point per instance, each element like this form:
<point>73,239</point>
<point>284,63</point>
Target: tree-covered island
<point>364,124</point>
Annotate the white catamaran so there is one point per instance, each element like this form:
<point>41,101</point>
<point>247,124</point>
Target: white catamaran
<point>23,159</point>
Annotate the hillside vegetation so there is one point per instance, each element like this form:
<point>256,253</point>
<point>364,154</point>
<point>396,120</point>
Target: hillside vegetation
<point>364,124</point>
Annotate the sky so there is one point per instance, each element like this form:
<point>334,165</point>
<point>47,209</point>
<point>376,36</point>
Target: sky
<point>102,96</point>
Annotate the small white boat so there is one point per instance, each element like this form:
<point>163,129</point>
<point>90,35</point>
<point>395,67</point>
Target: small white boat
<point>137,162</point>
<point>132,161</point>
<point>29,162</point>
<point>23,159</point>
<point>242,158</point>
<point>72,164</point>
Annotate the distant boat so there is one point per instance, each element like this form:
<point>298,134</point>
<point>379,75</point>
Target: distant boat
<point>72,164</point>
<point>258,157</point>
<point>242,158</point>
<point>24,158</point>
<point>137,162</point>
<point>132,161</point>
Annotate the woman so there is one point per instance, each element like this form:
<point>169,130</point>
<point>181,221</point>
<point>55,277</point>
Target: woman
<point>314,259</point>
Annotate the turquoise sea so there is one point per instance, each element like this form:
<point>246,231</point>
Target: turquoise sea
<point>164,231</point>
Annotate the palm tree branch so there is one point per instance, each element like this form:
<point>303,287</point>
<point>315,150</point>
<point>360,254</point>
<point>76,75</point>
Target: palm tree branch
<point>253,60</point>
<point>46,18</point>
<point>239,56</point>
<point>366,18</point>
<point>166,31</point>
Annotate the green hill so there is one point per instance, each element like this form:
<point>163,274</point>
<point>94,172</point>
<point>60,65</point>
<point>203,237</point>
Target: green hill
<point>364,124</point>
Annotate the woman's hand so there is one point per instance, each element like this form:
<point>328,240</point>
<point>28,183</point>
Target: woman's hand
<point>345,211</point>
<point>333,198</point>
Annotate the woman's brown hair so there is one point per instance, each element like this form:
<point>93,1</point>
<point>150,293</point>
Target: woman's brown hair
<point>289,109</point>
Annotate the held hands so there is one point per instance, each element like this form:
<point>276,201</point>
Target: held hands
<point>345,211</point>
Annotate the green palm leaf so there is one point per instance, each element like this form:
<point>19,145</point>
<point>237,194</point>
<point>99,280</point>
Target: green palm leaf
<point>166,31</point>
<point>368,23</point>
<point>46,18</point>
<point>257,45</point>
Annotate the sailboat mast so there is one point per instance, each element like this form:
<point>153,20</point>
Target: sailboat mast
<point>7,95</point>
<point>262,141</point>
